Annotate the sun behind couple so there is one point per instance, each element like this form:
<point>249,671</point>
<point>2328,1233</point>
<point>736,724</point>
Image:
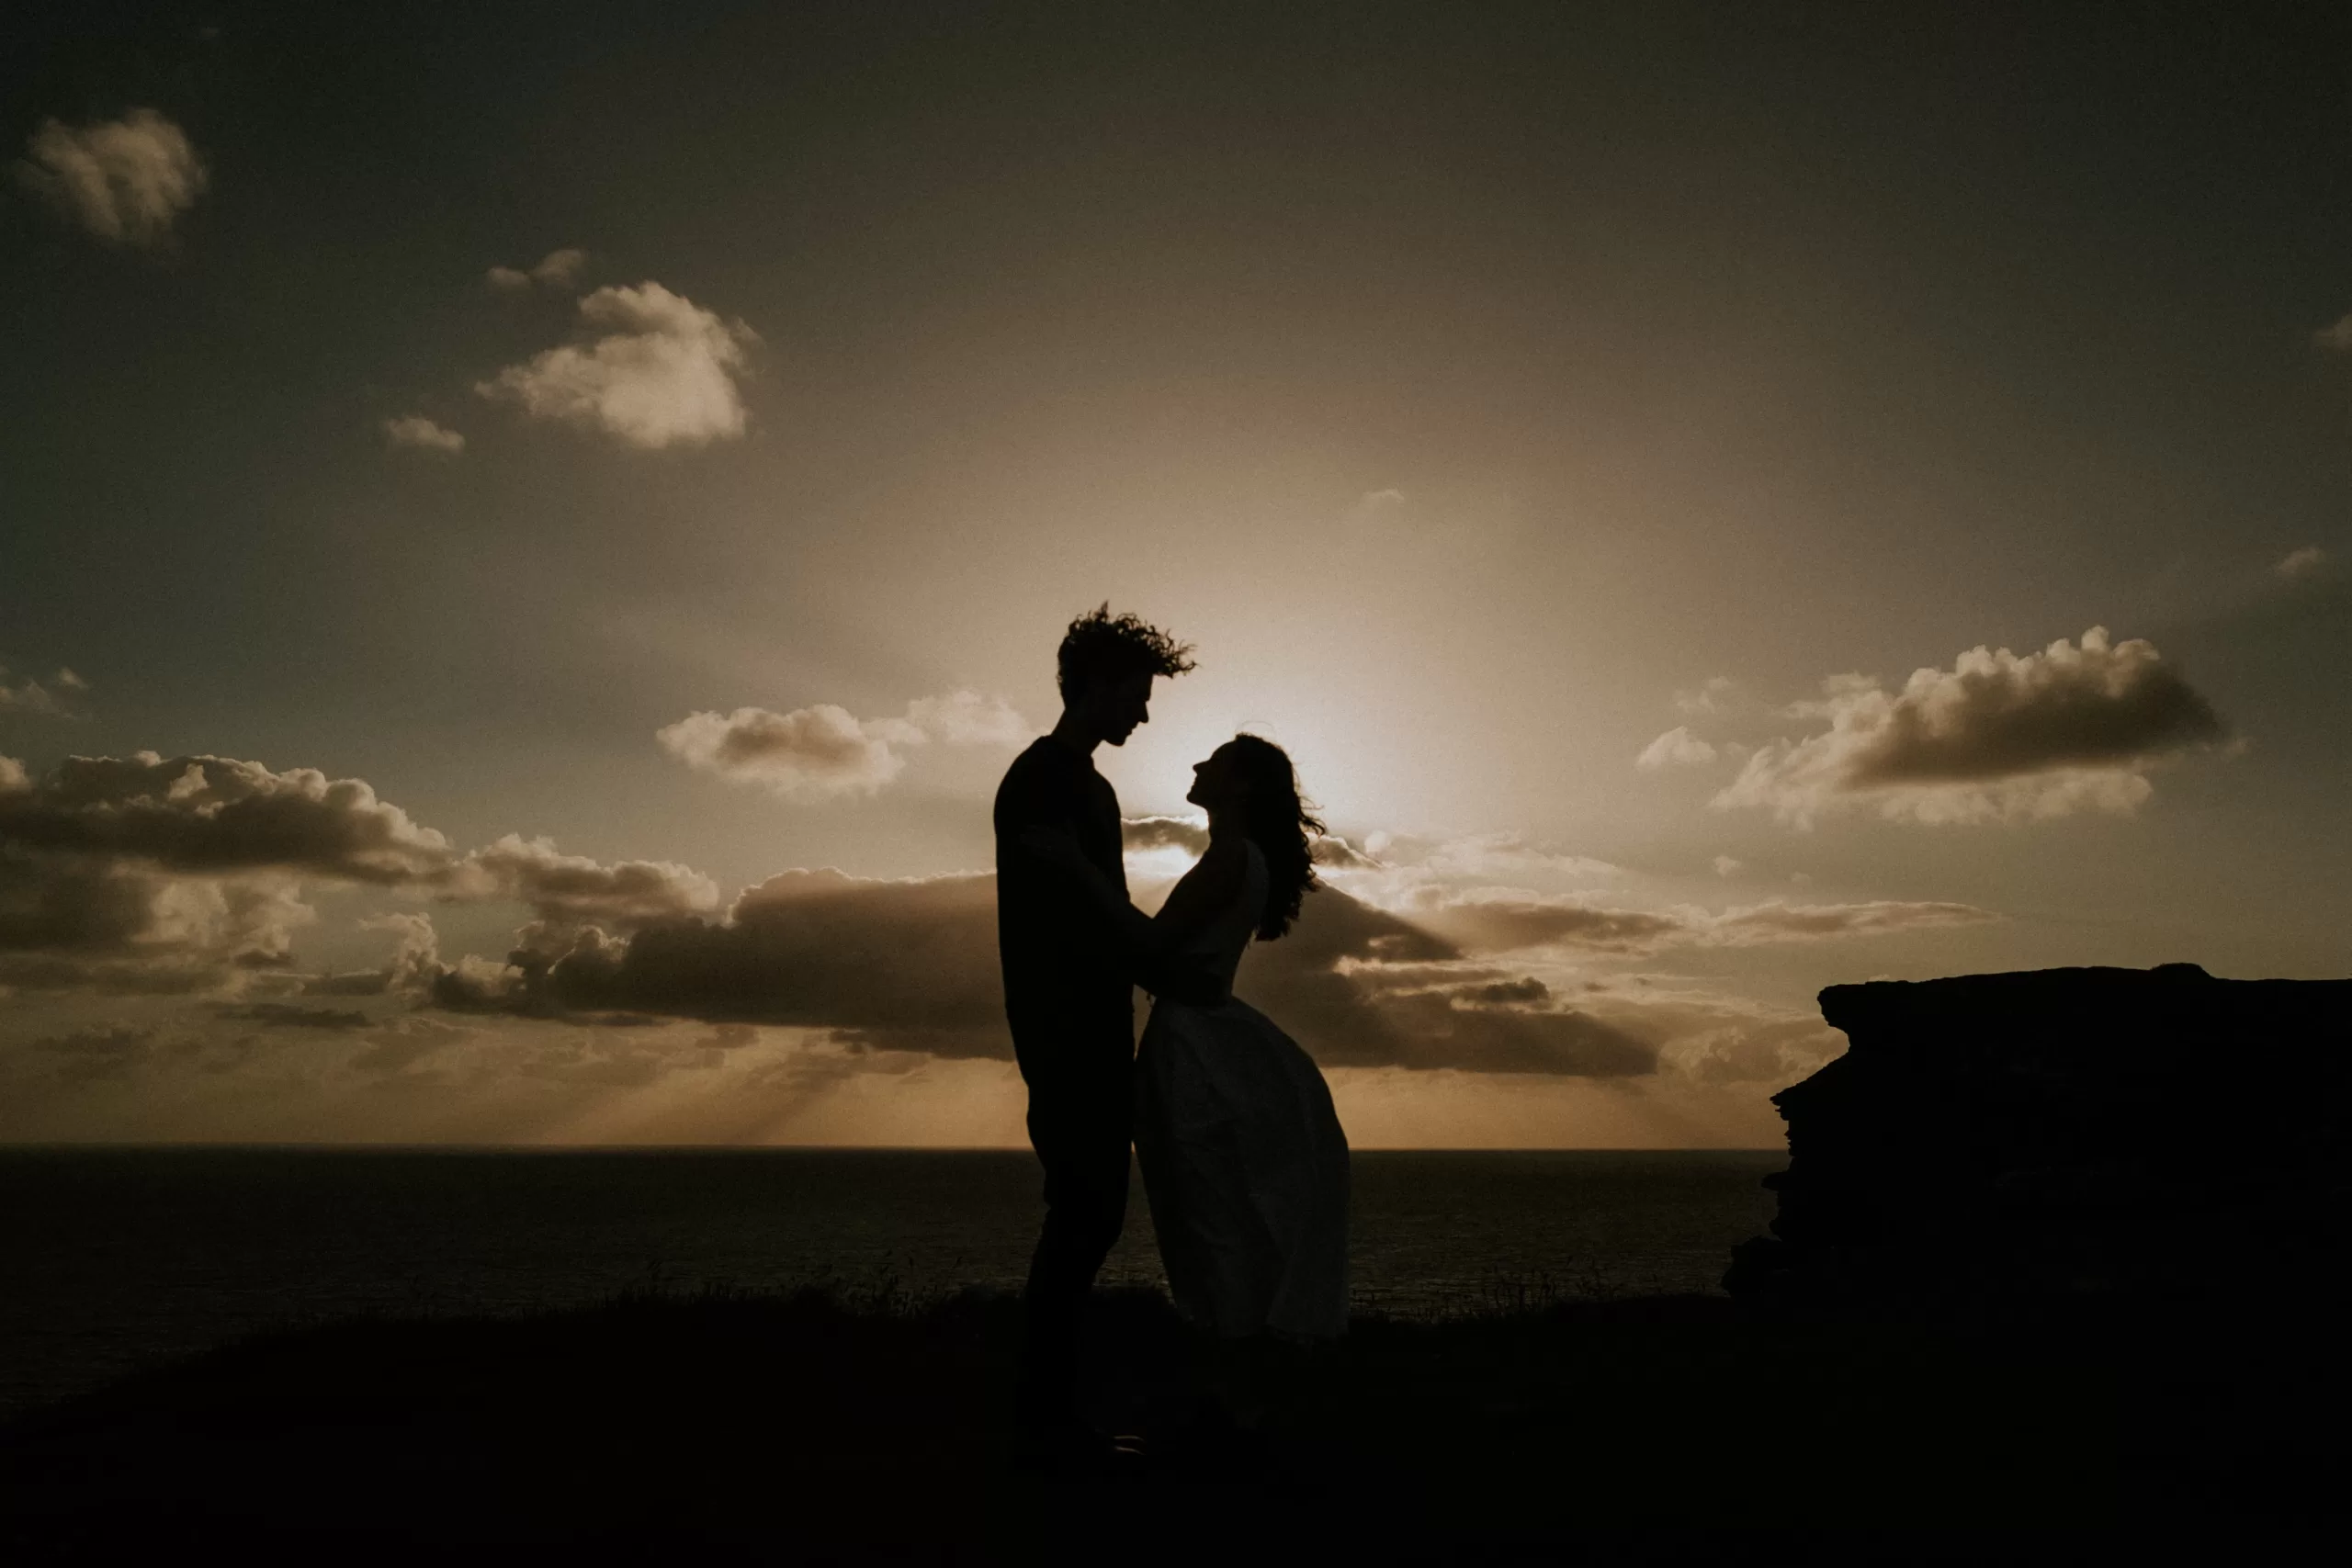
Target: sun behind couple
<point>1243,1159</point>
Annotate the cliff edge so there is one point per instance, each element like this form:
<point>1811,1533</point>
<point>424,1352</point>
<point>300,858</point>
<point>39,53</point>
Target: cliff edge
<point>2063,1133</point>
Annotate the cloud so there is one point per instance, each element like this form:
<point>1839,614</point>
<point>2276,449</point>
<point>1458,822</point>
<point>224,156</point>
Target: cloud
<point>1726,866</point>
<point>1380,499</point>
<point>823,752</point>
<point>1188,838</point>
<point>2304,562</point>
<point>1186,833</point>
<point>2336,336</point>
<point>72,923</point>
<point>415,430</point>
<point>1161,847</point>
<point>913,961</point>
<point>1358,987</point>
<point>571,891</point>
<point>1479,857</point>
<point>418,953</point>
<point>147,874</point>
<point>1776,922</point>
<point>1999,737</point>
<point>1509,919</point>
<point>124,180</point>
<point>30,697</point>
<point>964,718</point>
<point>911,966</point>
<point>285,1015</point>
<point>1501,920</point>
<point>1334,853</point>
<point>215,814</point>
<point>811,753</point>
<point>1712,696</point>
<point>1718,1042</point>
<point>89,1054</point>
<point>559,269</point>
<point>663,373</point>
<point>1678,747</point>
<point>402,1044</point>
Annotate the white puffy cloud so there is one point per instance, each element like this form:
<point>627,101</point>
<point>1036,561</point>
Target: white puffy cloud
<point>1728,866</point>
<point>2335,336</point>
<point>2301,562</point>
<point>662,373</point>
<point>1998,737</point>
<point>824,752</point>
<point>811,753</point>
<point>415,430</point>
<point>964,717</point>
<point>557,269</point>
<point>1678,747</point>
<point>124,180</point>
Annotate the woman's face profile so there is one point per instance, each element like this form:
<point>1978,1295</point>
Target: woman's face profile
<point>1218,782</point>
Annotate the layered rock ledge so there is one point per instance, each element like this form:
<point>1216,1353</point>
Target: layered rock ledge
<point>2063,1133</point>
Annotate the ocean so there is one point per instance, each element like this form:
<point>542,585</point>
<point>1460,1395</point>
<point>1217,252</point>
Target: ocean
<point>121,1257</point>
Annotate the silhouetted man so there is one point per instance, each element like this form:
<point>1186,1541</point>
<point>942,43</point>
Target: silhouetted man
<point>1070,996</point>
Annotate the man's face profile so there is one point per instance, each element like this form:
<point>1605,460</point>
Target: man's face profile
<point>1119,705</point>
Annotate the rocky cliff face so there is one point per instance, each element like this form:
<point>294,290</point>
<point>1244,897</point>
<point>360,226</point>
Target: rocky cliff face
<point>2062,1132</point>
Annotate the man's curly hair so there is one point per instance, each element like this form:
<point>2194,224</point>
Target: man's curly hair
<point>1101,646</point>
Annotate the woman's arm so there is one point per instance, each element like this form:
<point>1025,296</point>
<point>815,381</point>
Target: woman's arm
<point>1205,892</point>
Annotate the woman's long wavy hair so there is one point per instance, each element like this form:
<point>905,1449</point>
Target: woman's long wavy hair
<point>1280,822</point>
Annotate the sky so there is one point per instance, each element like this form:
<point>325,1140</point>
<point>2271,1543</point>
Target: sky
<point>531,532</point>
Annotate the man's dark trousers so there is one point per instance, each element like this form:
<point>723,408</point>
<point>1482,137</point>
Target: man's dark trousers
<point>1080,1072</point>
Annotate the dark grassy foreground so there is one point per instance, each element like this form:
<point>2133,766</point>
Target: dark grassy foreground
<point>1638,1430</point>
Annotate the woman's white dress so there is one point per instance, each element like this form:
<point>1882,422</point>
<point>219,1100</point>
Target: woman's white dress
<point>1243,1159</point>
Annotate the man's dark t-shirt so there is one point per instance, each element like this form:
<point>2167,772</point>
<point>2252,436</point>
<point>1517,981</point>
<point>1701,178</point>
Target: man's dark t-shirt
<point>1063,970</point>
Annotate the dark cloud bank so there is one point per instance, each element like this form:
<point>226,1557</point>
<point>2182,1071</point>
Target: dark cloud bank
<point>911,965</point>
<point>185,875</point>
<point>148,874</point>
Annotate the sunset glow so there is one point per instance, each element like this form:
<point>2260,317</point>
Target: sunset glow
<point>524,571</point>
